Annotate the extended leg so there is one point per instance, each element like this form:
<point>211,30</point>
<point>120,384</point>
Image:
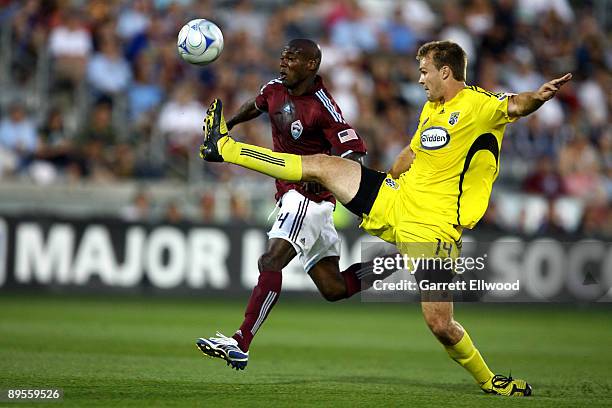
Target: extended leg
<point>340,176</point>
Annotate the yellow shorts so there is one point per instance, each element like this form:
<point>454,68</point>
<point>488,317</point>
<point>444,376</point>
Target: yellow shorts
<point>412,238</point>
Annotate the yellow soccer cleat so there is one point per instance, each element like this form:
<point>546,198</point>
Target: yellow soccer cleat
<point>508,386</point>
<point>215,129</point>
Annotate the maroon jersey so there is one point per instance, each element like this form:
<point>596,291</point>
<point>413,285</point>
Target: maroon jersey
<point>307,124</point>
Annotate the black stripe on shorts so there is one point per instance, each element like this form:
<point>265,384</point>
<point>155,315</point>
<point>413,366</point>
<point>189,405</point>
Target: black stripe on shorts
<point>371,181</point>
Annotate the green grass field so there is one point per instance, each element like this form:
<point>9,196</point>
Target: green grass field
<point>136,352</point>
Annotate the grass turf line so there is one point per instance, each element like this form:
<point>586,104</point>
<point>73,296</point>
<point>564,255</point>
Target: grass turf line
<point>137,351</point>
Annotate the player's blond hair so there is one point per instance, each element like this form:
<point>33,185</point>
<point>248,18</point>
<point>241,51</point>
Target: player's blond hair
<point>445,53</point>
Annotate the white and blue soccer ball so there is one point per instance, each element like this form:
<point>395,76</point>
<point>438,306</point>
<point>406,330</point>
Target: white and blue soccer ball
<point>200,42</point>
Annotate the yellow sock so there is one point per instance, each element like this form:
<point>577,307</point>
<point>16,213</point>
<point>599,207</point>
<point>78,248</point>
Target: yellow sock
<point>469,358</point>
<point>282,166</point>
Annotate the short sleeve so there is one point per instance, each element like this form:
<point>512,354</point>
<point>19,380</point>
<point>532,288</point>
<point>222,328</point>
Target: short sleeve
<point>344,139</point>
<point>261,100</point>
<point>496,109</point>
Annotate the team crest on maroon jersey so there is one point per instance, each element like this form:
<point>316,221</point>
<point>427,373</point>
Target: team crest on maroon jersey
<point>288,113</point>
<point>296,129</point>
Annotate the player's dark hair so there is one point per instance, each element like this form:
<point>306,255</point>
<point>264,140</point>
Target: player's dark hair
<point>445,53</point>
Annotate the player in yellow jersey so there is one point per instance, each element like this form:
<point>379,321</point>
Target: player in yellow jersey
<point>438,185</point>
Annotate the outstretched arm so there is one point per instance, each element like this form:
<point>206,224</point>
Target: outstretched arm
<point>246,112</point>
<point>527,102</point>
<point>402,162</point>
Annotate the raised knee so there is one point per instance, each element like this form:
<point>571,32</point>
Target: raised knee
<point>320,158</point>
<point>268,262</point>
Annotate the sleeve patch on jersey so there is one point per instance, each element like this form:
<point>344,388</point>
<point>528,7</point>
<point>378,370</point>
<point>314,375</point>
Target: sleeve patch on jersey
<point>346,135</point>
<point>503,95</point>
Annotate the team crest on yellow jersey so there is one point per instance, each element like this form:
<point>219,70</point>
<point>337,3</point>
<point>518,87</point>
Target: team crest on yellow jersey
<point>454,117</point>
<point>391,183</point>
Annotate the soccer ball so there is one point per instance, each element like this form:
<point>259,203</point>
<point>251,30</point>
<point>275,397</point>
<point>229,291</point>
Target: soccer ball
<point>200,42</point>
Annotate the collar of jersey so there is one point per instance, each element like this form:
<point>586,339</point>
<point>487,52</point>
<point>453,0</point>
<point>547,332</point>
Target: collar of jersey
<point>318,85</point>
<point>441,107</point>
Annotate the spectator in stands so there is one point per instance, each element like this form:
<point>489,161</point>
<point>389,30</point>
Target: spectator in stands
<point>479,17</point>
<point>590,50</point>
<point>245,17</point>
<point>70,45</point>
<point>18,136</point>
<point>134,19</point>
<point>240,210</point>
<point>171,71</point>
<point>96,140</point>
<point>139,210</point>
<point>401,38</point>
<point>454,29</point>
<point>592,95</point>
<point>496,41</point>
<point>545,179</point>
<point>355,30</point>
<point>123,160</point>
<point>523,73</point>
<point>580,166</point>
<point>511,43</point>
<point>207,208</point>
<point>419,16</point>
<point>108,72</point>
<point>29,22</point>
<point>531,10</point>
<point>173,213</point>
<point>180,119</point>
<point>57,147</point>
<point>550,224</point>
<point>144,94</point>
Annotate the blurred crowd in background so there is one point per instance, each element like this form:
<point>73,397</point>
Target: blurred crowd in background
<point>95,91</point>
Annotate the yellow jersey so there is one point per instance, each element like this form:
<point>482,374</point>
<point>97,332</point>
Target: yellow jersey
<point>456,159</point>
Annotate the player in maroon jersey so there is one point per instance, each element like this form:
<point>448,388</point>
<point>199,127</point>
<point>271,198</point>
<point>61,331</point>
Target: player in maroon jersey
<point>305,120</point>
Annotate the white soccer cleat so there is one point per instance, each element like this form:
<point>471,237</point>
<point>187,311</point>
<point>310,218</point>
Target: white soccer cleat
<point>225,348</point>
